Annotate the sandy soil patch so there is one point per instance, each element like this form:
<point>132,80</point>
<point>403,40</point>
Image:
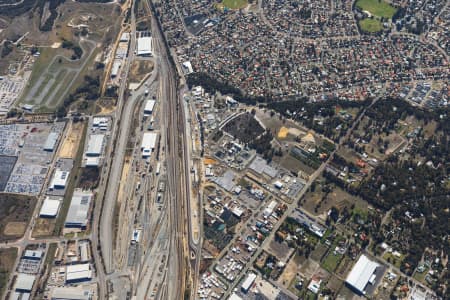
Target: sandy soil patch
<point>15,228</point>
<point>290,271</point>
<point>71,143</point>
<point>282,134</point>
<point>209,161</point>
<point>56,45</point>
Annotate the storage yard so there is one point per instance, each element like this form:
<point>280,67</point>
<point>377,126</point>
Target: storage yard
<point>33,150</point>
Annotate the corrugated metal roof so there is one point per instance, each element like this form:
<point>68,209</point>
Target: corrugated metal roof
<point>59,178</point>
<point>144,46</point>
<point>148,143</point>
<point>50,143</point>
<point>79,208</point>
<point>361,273</point>
<point>95,144</point>
<point>72,293</point>
<point>50,207</point>
<point>24,282</point>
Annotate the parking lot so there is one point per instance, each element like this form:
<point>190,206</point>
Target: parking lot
<point>26,143</point>
<point>10,89</point>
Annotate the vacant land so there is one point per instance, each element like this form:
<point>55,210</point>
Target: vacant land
<point>104,106</point>
<point>70,145</point>
<point>377,8</point>
<point>245,128</point>
<point>234,4</point>
<point>16,211</point>
<point>7,259</point>
<point>370,25</point>
<point>294,165</point>
<point>290,271</point>
<point>15,228</point>
<point>44,227</point>
<point>319,202</point>
<point>89,178</point>
<point>140,69</point>
<point>286,130</point>
<point>331,261</point>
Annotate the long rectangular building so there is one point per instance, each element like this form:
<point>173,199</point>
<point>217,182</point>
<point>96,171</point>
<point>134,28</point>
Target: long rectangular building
<point>50,143</point>
<point>148,144</point>
<point>149,105</point>
<point>248,282</point>
<point>78,273</point>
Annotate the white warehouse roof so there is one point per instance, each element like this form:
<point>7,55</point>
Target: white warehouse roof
<point>77,268</point>
<point>77,216</point>
<point>50,208</point>
<point>92,161</point>
<point>249,280</point>
<point>95,145</point>
<point>125,37</point>
<point>50,143</point>
<point>24,282</point>
<point>144,46</point>
<point>59,179</point>
<point>33,254</point>
<point>235,297</point>
<point>115,68</point>
<point>361,273</point>
<point>78,272</point>
<point>148,143</point>
<point>149,105</point>
<point>70,293</point>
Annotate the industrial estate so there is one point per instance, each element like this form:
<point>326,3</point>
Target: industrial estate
<point>261,149</point>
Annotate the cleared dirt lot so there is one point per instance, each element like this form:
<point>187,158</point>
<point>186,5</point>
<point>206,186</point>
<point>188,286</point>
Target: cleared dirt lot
<point>70,145</point>
<point>290,271</point>
<point>140,69</point>
<point>15,228</point>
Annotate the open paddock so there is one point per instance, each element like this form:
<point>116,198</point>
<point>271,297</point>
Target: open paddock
<point>319,203</point>
<point>15,214</point>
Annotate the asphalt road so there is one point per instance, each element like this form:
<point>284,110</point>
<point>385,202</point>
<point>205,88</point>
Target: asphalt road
<point>120,132</point>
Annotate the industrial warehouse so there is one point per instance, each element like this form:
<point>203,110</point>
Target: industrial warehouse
<point>50,207</point>
<point>362,274</point>
<point>77,216</point>
<point>96,142</point>
<point>78,273</point>
<point>149,107</point>
<point>148,144</point>
<point>144,46</point>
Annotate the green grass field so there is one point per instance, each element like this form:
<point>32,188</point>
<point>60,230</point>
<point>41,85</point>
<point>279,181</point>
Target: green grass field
<point>377,8</point>
<point>370,25</point>
<point>331,262</point>
<point>234,4</point>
